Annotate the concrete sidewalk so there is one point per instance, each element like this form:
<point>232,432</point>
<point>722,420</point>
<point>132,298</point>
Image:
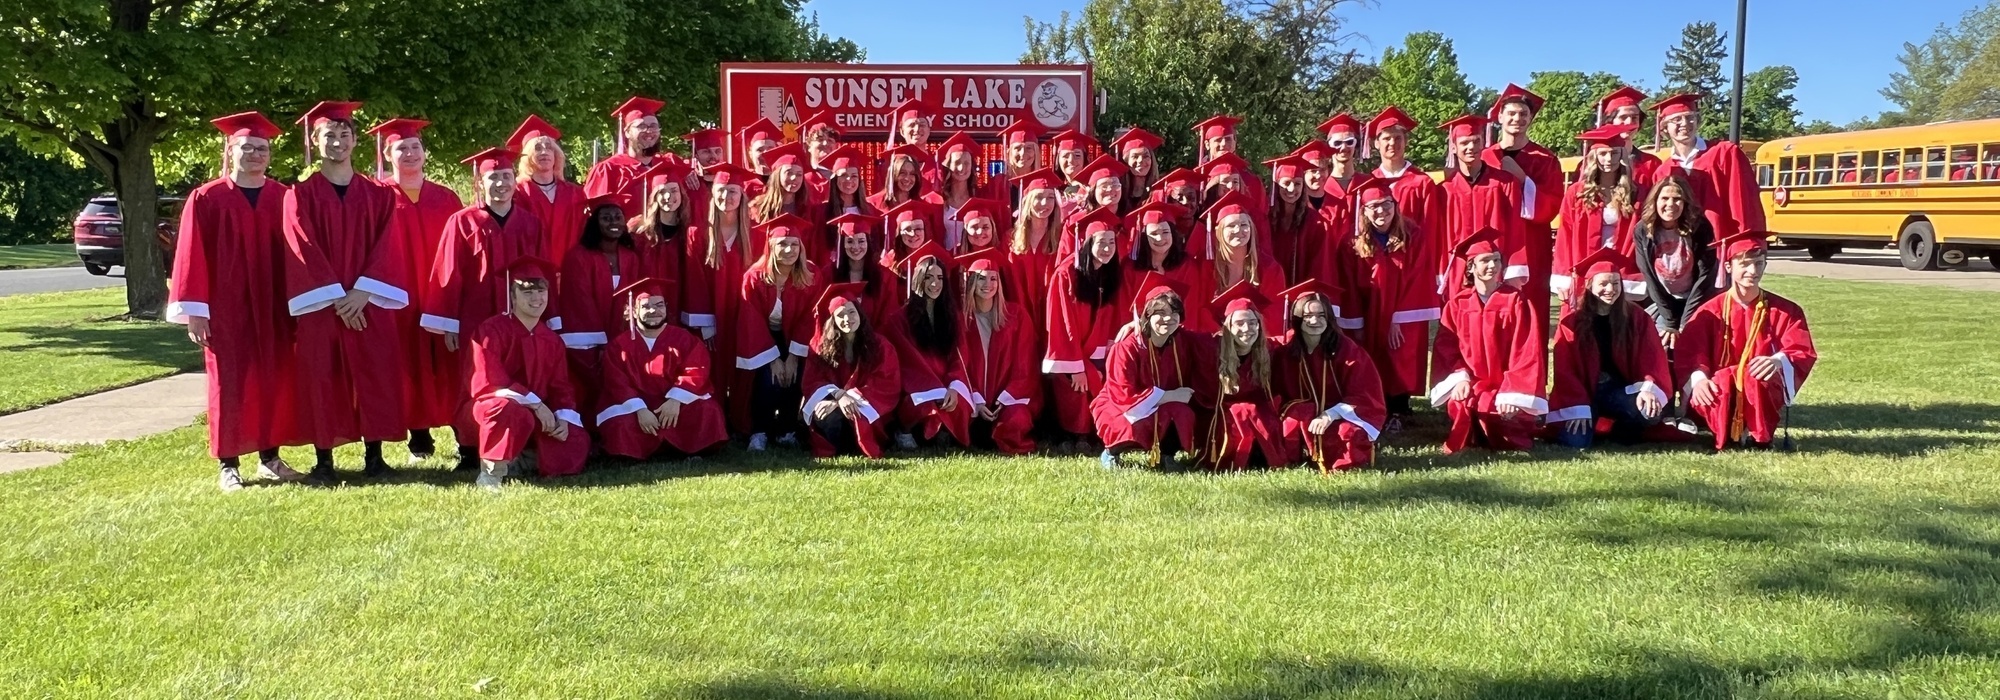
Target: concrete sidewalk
<point>120,414</point>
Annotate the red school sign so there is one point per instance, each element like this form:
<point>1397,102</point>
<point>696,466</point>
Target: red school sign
<point>978,100</point>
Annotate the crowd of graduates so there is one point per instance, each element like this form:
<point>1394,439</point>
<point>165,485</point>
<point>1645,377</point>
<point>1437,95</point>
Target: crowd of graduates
<point>1201,316</point>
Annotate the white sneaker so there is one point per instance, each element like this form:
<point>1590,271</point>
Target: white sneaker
<point>490,482</point>
<point>278,470</point>
<point>788,440</point>
<point>759,442</point>
<point>906,441</point>
<point>230,481</point>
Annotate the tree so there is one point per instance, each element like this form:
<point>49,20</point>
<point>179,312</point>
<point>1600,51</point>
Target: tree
<point>1929,70</point>
<point>38,194</point>
<point>1820,126</point>
<point>1570,107</point>
<point>1976,92</point>
<point>1769,109</point>
<point>1695,66</point>
<point>1169,64</point>
<point>1424,80</point>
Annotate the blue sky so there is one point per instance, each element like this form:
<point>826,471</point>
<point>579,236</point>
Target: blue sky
<point>1844,50</point>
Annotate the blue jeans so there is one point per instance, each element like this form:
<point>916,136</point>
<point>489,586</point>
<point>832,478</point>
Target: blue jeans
<point>1628,423</point>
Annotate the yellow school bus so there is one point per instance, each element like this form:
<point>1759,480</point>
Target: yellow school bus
<point>1932,191</point>
<point>1571,163</point>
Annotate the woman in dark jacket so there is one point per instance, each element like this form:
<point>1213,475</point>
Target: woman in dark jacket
<point>1674,246</point>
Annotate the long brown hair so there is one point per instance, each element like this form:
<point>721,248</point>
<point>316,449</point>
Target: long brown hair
<point>648,225</point>
<point>1620,196</point>
<point>1230,360</point>
<point>773,201</point>
<point>1691,213</point>
<point>832,345</point>
<point>890,197</point>
<point>1623,350</point>
<point>1364,237</point>
<point>742,226</point>
<point>799,277</point>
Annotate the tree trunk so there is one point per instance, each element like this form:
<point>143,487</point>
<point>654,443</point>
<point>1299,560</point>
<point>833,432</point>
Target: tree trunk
<point>138,189</point>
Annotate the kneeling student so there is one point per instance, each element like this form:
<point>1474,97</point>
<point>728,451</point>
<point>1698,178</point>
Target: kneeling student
<point>656,385</point>
<point>1609,361</point>
<point>1748,351</point>
<point>1490,353</point>
<point>1244,423</point>
<point>520,384</point>
<point>1151,379</point>
<point>1333,408</point>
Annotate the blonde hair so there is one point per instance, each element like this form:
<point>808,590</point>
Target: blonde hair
<point>1230,359</point>
<point>1593,194</point>
<point>890,197</point>
<point>772,202</point>
<point>799,277</point>
<point>1250,258</point>
<point>742,227</point>
<point>999,300</point>
<point>1024,225</point>
<point>524,170</point>
<point>1364,240</point>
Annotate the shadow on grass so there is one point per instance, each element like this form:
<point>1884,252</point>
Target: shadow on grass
<point>1637,675</point>
<point>151,344</point>
<point>1892,430</point>
<point>767,688</point>
<point>607,473</point>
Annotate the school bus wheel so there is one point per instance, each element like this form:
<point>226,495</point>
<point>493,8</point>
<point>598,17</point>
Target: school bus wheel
<point>1822,251</point>
<point>1919,247</point>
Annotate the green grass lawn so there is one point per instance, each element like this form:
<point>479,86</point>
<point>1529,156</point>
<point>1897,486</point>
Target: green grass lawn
<point>67,344</point>
<point>1865,565</point>
<point>23,257</point>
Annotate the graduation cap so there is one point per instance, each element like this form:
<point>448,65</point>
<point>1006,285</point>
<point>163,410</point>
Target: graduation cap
<point>930,249</point>
<point>912,108</point>
<point>1104,166</point>
<point>1515,93</point>
<point>1072,140</point>
<point>1020,131</point>
<point>1486,240</point>
<point>1675,104</point>
<point>855,223</point>
<point>1290,166</point>
<point>731,174</point>
<point>1155,285</point>
<point>633,110</point>
<point>1342,123</point>
<point>1613,135</point>
<point>1242,296</point>
<point>1373,189</point>
<point>836,296</point>
<point>1391,117</point>
<point>244,124</point>
<point>841,158</point>
<point>1601,261</point>
<point>529,268</point>
<point>1230,203</point>
<point>1743,242</point>
<point>1309,288</point>
<point>531,128</point>
<point>391,131</point>
<point>981,261</point>
<point>1317,152</point>
<point>634,291</point>
<point>330,110</point>
<point>976,208</point>
<point>793,153</point>
<point>607,199</point>
<point>1225,164</point>
<point>662,172</point>
<point>1039,179</point>
<point>909,210</point>
<point>490,160</point>
<point>1157,212</point>
<point>1465,125</point>
<point>822,119</point>
<point>782,226</point>
<point>913,152</point>
<point>711,137</point>
<point>1182,177</point>
<point>760,130</point>
<point>1096,221</point>
<point>1624,96</point>
<point>958,141</point>
<point>1135,137</point>
<point>1217,126</point>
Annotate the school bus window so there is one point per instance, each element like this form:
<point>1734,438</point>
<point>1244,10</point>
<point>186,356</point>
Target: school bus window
<point>1989,165</point>
<point>1870,165</point>
<point>1892,166</point>
<point>1843,170</point>
<point>1934,163</point>
<point>1785,171</point>
<point>1801,171</point>
<point>1823,169</point>
<point>1913,164</point>
<point>1763,176</point>
<point>1963,165</point>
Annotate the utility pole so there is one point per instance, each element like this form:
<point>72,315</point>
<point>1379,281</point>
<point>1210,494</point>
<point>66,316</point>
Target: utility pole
<point>1736,99</point>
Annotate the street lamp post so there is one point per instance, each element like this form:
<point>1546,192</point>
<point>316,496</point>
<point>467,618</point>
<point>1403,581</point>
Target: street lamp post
<point>1736,99</point>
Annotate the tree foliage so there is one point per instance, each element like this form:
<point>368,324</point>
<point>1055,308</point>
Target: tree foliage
<point>1570,107</point>
<point>1278,64</point>
<point>39,194</point>
<point>1769,109</point>
<point>1945,76</point>
<point>1423,78</point>
<point>1695,66</point>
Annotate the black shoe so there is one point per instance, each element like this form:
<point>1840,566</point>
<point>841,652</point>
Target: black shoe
<point>376,468</point>
<point>421,444</point>
<point>466,464</point>
<point>322,475</point>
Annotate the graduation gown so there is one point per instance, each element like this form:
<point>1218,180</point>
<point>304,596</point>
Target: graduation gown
<point>874,380</point>
<point>1027,275</point>
<point>1342,386</point>
<point>435,384</point>
<point>1078,341</point>
<point>1717,344</point>
<point>1129,413</point>
<point>514,367</point>
<point>1494,346</point>
<point>1418,197</point>
<point>1723,183</point>
<point>592,312</point>
<point>1271,280</point>
<point>1001,371</point>
<point>1583,232</point>
<point>665,260</point>
<point>1388,289</point>
<point>709,295</point>
<point>468,281</point>
<point>927,378</point>
<point>1493,200</point>
<point>1307,251</point>
<point>350,383</point>
<point>562,217</point>
<point>640,374</point>
<point>1576,369</point>
<point>1244,423</point>
<point>621,173</point>
<point>1541,199</point>
<point>230,270</point>
<point>752,344</point>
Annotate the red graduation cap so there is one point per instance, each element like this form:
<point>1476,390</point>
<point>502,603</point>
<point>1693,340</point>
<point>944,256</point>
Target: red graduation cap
<point>1391,116</point>
<point>1181,177</point>
<point>822,119</point>
<point>1515,93</point>
<point>1135,137</point>
<point>1466,125</point>
<point>607,199</point>
<point>930,249</point>
<point>1040,179</point>
<point>1624,96</point>
<point>530,129</point>
<point>1290,166</point>
<point>1020,131</point>
<point>793,153</point>
<point>1487,240</point>
<point>707,138</point>
<point>1743,242</point>
<point>398,129</point>
<point>980,208</point>
<point>329,110</point>
<point>842,158</point>
<point>1341,123</point>
<point>1157,212</point>
<point>731,174</point>
<point>1601,261</point>
<point>1217,126</point>
<point>664,171</point>
<point>1072,140</point>
<point>1307,289</point>
<point>838,295</point>
<point>1096,221</point>
<point>1153,286</point>
<point>1373,189</point>
<point>253,124</point>
<point>980,261</point>
<point>912,108</point>
<point>856,223</point>
<point>913,152</point>
<point>958,141</point>
<point>1612,135</point>
<point>1675,104</point>
<point>1230,203</point>
<point>1242,296</point>
<point>785,225</point>
<point>635,109</point>
<point>909,210</point>
<point>490,160</point>
<point>1102,167</point>
<point>1315,151</point>
<point>529,267</point>
<point>1225,164</point>
<point>642,287</point>
<point>760,130</point>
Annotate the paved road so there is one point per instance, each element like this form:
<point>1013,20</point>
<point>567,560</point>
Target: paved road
<point>56,279</point>
<point>1885,266</point>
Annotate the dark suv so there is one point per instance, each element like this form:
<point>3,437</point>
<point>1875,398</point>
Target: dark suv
<point>100,233</point>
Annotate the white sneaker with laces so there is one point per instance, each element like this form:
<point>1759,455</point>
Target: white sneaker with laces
<point>906,441</point>
<point>490,482</point>
<point>231,481</point>
<point>278,470</point>
<point>759,442</point>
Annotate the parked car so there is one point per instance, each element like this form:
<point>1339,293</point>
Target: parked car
<point>100,233</point>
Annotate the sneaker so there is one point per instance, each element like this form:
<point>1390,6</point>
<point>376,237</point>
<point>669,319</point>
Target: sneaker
<point>1107,460</point>
<point>759,442</point>
<point>788,440</point>
<point>376,468</point>
<point>322,475</point>
<point>230,481</point>
<point>417,460</point>
<point>278,470</point>
<point>489,482</point>
<point>906,441</point>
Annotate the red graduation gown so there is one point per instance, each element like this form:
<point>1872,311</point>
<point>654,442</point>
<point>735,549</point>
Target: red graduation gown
<point>1271,280</point>
<point>1493,200</point>
<point>664,260</point>
<point>1643,365</point>
<point>592,312</point>
<point>514,367</point>
<point>1418,197</point>
<point>1078,333</point>
<point>1392,288</point>
<point>709,294</point>
<point>1304,252</point>
<point>927,378</point>
<point>1001,372</point>
<point>230,270</point>
<point>1342,386</point>
<point>435,386</point>
<point>1245,422</point>
<point>621,174</point>
<point>874,380</point>
<point>1717,344</point>
<point>1724,183</point>
<point>1129,412</point>
<point>562,218</point>
<point>1541,199</point>
<point>1581,234</point>
<point>1026,277</point>
<point>1493,345</point>
<point>640,376</point>
<point>350,382</point>
<point>468,281</point>
<point>751,328</point>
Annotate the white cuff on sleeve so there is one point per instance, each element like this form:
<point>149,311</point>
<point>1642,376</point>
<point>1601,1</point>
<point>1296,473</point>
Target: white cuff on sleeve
<point>438,324</point>
<point>818,395</point>
<point>1341,411</point>
<point>1526,402</point>
<point>385,295</point>
<point>1147,406</point>
<point>1790,376</point>
<point>684,396</point>
<point>1568,414</point>
<point>867,409</point>
<point>1415,316</point>
<point>1648,386</point>
<point>569,416</point>
<point>1516,272</point>
<point>315,300</point>
<point>1008,399</point>
<point>629,407</point>
<point>800,350</point>
<point>1445,386</point>
<point>583,341</point>
<point>1062,366</point>
<point>181,311</point>
<point>762,358</point>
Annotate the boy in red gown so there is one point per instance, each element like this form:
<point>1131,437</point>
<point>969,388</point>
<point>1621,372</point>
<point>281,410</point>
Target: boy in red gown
<point>656,386</point>
<point>543,189</point>
<point>638,145</point>
<point>853,375</point>
<point>1418,197</point>
<point>1329,394</point>
<point>1477,197</point>
<point>1540,174</point>
<point>1720,173</point>
<point>1610,368</point>
<point>1748,352</point>
<point>520,384</point>
<point>1490,355</point>
<point>435,386</point>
